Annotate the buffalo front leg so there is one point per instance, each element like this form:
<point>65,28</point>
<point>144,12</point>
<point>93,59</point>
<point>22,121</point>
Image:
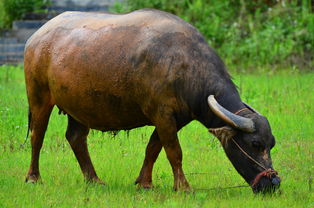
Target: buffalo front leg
<point>76,135</point>
<point>38,124</point>
<point>153,149</point>
<point>167,131</point>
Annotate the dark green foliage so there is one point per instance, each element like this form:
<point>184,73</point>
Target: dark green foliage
<point>247,33</point>
<point>15,9</point>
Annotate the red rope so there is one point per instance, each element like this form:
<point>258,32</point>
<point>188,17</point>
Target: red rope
<point>239,111</point>
<point>269,173</point>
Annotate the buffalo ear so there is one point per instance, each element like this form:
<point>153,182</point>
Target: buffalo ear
<point>223,133</point>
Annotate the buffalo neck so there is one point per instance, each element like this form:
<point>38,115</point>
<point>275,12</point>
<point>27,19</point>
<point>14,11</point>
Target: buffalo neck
<point>206,75</point>
<point>226,95</point>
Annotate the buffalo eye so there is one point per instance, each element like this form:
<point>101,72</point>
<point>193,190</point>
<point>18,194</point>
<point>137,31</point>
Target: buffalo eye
<point>258,145</point>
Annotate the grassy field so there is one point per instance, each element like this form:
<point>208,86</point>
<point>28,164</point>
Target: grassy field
<point>286,98</point>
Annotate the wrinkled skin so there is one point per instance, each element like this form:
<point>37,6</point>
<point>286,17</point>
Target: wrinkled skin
<point>118,72</point>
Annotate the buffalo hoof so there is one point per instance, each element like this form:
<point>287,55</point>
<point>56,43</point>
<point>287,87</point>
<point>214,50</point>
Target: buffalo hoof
<point>95,181</point>
<point>143,184</point>
<point>32,179</point>
<point>182,187</point>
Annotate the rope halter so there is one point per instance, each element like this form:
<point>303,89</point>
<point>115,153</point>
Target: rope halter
<point>267,172</point>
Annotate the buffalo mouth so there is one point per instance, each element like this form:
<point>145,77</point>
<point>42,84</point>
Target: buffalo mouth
<point>266,182</point>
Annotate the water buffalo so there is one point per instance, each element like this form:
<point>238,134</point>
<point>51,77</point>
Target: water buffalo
<point>118,72</point>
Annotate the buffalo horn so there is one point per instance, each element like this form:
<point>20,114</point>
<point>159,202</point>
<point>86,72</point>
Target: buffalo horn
<point>239,122</point>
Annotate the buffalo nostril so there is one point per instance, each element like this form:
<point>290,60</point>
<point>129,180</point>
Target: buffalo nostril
<point>275,181</point>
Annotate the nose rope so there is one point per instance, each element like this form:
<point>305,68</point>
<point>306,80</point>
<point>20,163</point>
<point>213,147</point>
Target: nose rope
<point>239,111</point>
<point>266,171</point>
<point>269,173</point>
<point>246,154</point>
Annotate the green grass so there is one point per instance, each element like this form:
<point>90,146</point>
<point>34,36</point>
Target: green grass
<point>286,98</point>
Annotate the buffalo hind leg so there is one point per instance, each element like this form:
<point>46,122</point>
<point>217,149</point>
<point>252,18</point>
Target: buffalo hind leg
<point>153,149</point>
<point>76,135</point>
<point>39,120</point>
<point>167,131</point>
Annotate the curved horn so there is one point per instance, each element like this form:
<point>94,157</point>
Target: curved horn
<point>239,122</point>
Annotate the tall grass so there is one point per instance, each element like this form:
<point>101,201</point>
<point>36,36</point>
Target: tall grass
<point>286,98</point>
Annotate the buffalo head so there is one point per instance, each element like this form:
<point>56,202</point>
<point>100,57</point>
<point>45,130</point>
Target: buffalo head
<point>247,141</point>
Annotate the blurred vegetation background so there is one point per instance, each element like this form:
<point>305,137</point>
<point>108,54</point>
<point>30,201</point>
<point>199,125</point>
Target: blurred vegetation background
<point>11,10</point>
<point>247,34</point>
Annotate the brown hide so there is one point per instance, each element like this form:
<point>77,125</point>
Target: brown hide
<point>112,72</point>
<point>98,67</point>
